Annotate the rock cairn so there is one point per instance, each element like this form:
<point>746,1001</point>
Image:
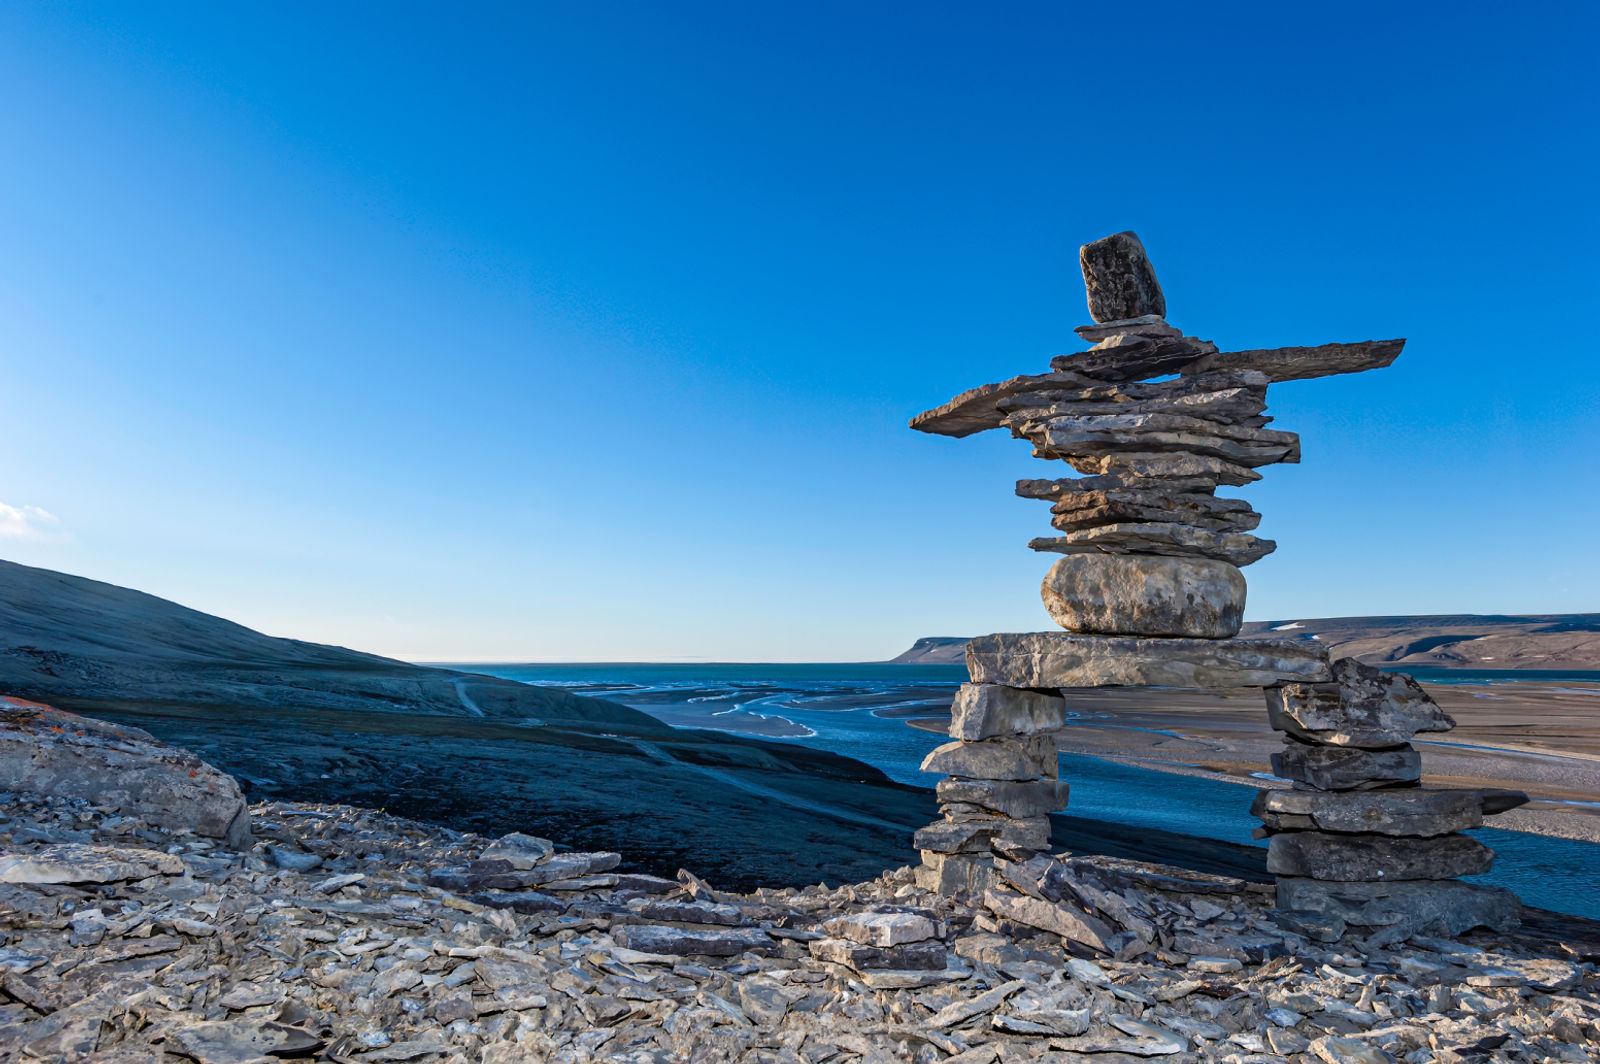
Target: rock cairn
<point>1358,840</point>
<point>1150,594</point>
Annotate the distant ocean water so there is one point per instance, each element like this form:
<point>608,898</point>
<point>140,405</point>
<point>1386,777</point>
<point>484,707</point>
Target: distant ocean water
<point>859,710</point>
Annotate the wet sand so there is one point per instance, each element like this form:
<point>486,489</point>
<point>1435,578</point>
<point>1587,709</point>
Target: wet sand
<point>1540,738</point>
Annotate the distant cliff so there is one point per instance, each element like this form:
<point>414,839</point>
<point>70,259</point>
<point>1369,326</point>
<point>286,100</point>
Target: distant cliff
<point>1462,641</point>
<point>935,650</point>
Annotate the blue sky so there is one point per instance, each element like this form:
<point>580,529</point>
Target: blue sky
<point>590,331</point>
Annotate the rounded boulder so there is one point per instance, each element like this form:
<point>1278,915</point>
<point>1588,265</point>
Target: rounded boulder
<point>1145,594</point>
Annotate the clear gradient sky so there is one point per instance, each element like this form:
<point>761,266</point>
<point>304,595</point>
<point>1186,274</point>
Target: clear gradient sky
<point>590,331</point>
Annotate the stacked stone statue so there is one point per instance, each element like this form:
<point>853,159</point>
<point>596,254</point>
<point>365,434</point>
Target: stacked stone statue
<point>1150,593</point>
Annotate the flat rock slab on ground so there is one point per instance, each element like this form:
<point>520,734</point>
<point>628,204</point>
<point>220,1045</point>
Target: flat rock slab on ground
<point>48,751</point>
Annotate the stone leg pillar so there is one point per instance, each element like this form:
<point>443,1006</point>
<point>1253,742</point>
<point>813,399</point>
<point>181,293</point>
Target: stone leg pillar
<point>1358,841</point>
<point>1001,783</point>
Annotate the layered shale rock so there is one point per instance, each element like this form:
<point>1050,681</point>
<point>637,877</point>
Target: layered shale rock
<point>50,752</point>
<point>1150,593</point>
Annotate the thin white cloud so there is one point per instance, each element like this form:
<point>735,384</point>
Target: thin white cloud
<point>28,522</point>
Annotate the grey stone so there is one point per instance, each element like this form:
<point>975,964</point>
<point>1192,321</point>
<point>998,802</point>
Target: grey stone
<point>522,851</point>
<point>1090,436</point>
<point>1119,279</point>
<point>71,862</point>
<point>982,711</point>
<point>1061,920</point>
<point>1444,907</point>
<point>1170,540</point>
<point>910,957</point>
<point>1137,469</point>
<point>1133,594</point>
<point>995,759</point>
<point>681,941</point>
<point>883,928</point>
<point>1093,509</point>
<point>955,874</point>
<point>50,752</point>
<point>243,1041</point>
<point>1143,325</point>
<point>1067,487</point>
<point>976,409</point>
<point>948,836</point>
<point>1363,706</point>
<point>1406,811</point>
<point>1344,768</point>
<point>1014,799</point>
<point>1373,858</point>
<point>1139,358</point>
<point>1063,659</point>
<point>1300,363</point>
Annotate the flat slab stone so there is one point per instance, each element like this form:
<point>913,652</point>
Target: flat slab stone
<point>884,929</point>
<point>1137,358</point>
<point>1070,436</point>
<point>1141,468</point>
<point>1301,363</point>
<point>1064,659</point>
<point>1167,539</point>
<point>1143,325</point>
<point>694,942</point>
<point>1441,907</point>
<point>71,862</point>
<point>1013,798</point>
<point>1119,280</point>
<point>1407,811</point>
<point>1139,594</point>
<point>1345,768</point>
<point>977,409</point>
<point>1373,858</point>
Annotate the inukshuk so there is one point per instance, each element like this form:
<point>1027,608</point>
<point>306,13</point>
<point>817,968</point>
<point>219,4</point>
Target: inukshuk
<point>1150,594</point>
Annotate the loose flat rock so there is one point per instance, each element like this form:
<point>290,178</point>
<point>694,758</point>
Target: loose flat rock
<point>1362,706</point>
<point>1343,768</point>
<point>521,851</point>
<point>75,863</point>
<point>1301,363</point>
<point>1096,509</point>
<point>1170,540</point>
<point>982,711</point>
<point>1062,488</point>
<point>995,759</point>
<point>910,957</point>
<point>1407,811</point>
<point>1135,594</point>
<point>1063,659</point>
<point>242,1041</point>
<point>1445,907</point>
<point>1059,920</point>
<point>883,929</point>
<point>655,938</point>
<point>1010,798</point>
<point>1376,858</point>
<point>1119,280</point>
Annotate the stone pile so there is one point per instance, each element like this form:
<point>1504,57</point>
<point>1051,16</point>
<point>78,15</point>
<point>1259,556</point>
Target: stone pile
<point>125,941</point>
<point>1148,588</point>
<point>1359,840</point>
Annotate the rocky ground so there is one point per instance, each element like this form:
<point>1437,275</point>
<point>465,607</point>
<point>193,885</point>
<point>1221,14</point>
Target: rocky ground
<point>349,935</point>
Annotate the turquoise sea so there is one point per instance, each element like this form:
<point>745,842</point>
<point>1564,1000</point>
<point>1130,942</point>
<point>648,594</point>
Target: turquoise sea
<point>860,710</point>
